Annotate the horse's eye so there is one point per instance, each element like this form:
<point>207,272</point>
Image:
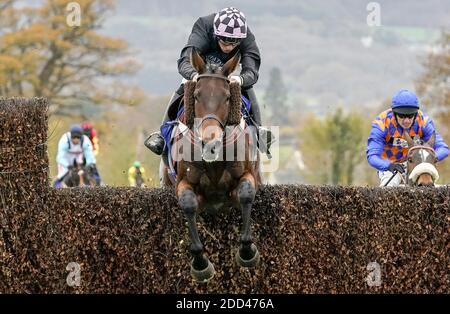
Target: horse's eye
<point>410,159</point>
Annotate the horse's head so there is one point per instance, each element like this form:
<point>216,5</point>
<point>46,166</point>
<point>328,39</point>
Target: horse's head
<point>213,103</point>
<point>73,177</point>
<point>79,175</point>
<point>421,160</point>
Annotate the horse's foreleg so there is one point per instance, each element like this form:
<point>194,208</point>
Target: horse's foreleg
<point>201,267</point>
<point>248,255</point>
<point>188,203</point>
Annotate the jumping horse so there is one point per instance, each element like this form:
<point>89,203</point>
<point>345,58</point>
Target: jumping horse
<point>215,179</point>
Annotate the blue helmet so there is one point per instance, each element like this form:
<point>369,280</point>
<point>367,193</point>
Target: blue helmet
<point>76,131</point>
<point>137,164</point>
<point>405,102</point>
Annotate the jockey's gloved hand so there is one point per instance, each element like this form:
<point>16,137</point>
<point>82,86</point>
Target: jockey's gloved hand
<point>237,79</point>
<point>396,168</point>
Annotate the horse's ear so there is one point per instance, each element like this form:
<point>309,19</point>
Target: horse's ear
<point>197,62</point>
<point>408,139</point>
<point>432,140</point>
<point>231,65</point>
<point>74,163</point>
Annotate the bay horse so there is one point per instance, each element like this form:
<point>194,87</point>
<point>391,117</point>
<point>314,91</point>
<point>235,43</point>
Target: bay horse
<point>421,160</point>
<point>208,179</point>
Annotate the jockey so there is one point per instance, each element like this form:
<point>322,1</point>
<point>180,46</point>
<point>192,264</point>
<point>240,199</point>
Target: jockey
<point>387,148</point>
<point>218,37</point>
<point>74,145</point>
<point>134,171</point>
<point>90,132</point>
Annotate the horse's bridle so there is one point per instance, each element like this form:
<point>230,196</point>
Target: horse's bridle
<point>212,116</point>
<point>418,147</point>
<point>427,148</point>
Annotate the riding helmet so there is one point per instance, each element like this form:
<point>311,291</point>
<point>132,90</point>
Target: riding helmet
<point>405,102</point>
<point>230,23</point>
<point>76,131</point>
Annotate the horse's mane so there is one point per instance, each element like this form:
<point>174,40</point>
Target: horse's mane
<point>234,116</point>
<point>213,68</point>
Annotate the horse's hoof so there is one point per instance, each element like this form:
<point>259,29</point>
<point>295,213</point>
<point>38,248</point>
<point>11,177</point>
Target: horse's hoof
<point>203,275</point>
<point>253,262</point>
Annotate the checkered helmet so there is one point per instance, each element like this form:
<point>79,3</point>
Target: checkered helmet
<point>230,23</point>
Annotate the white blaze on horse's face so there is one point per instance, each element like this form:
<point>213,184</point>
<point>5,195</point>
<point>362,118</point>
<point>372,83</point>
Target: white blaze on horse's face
<point>424,154</point>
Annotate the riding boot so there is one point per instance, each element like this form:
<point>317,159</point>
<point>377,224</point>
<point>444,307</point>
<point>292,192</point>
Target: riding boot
<point>265,136</point>
<point>155,142</point>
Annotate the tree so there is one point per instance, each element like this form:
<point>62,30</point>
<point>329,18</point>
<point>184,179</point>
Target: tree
<point>332,147</point>
<point>276,96</point>
<point>5,5</point>
<point>433,88</point>
<point>434,84</point>
<point>41,55</point>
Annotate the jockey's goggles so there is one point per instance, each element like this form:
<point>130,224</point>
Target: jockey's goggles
<point>406,115</point>
<point>229,41</point>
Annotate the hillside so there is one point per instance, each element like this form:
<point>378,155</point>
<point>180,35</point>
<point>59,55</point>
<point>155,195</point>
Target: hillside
<point>318,45</point>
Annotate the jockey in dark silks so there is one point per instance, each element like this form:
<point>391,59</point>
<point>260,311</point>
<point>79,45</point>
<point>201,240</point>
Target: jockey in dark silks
<point>218,37</point>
